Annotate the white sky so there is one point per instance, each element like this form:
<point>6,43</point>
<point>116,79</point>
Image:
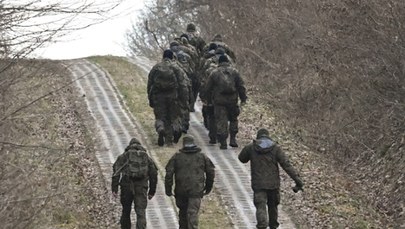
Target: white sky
<point>107,38</point>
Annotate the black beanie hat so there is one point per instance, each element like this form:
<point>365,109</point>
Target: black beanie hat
<point>223,58</point>
<point>191,27</point>
<point>168,54</point>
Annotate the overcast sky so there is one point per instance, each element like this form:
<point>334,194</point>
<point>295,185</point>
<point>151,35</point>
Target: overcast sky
<point>101,39</point>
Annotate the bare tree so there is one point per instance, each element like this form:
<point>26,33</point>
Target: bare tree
<point>34,150</point>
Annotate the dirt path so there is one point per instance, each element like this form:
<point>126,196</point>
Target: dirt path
<point>116,128</point>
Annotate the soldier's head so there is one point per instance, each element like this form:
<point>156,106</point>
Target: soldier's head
<point>191,28</point>
<point>168,54</point>
<point>262,133</point>
<point>222,59</point>
<point>220,51</point>
<point>134,141</point>
<point>188,142</point>
<point>217,37</point>
<point>174,43</point>
<point>185,36</point>
<point>212,46</point>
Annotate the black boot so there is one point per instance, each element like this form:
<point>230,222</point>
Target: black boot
<point>222,142</point>
<point>213,140</point>
<point>176,136</point>
<point>232,141</point>
<point>161,140</point>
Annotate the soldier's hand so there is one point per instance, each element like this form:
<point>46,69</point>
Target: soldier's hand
<point>151,103</point>
<point>297,188</point>
<point>150,196</point>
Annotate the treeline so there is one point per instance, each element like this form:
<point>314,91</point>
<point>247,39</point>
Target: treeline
<point>333,70</point>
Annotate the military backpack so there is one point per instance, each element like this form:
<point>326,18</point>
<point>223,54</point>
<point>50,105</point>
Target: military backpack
<point>165,79</point>
<point>137,167</point>
<point>226,82</point>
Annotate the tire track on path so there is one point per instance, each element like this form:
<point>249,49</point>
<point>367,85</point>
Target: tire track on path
<point>116,128</point>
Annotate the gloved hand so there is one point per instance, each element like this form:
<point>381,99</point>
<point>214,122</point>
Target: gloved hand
<point>207,189</point>
<point>151,103</point>
<point>298,186</point>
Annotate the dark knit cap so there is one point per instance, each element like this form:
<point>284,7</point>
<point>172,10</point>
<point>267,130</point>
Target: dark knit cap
<point>168,54</point>
<point>223,58</point>
<point>191,27</point>
<point>212,46</point>
<point>134,141</point>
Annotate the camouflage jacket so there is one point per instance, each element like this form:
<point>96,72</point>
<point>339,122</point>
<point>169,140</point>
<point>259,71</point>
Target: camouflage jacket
<point>192,170</point>
<point>213,89</point>
<point>181,93</point>
<point>119,179</point>
<point>265,156</point>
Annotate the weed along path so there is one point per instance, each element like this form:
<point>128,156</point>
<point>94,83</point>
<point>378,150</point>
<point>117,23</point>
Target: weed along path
<point>116,127</point>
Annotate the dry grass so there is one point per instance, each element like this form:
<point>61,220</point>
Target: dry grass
<point>49,174</point>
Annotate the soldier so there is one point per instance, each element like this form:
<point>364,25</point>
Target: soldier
<point>166,90</point>
<point>220,43</point>
<point>265,156</point>
<point>194,38</point>
<point>194,176</point>
<point>134,171</point>
<point>224,88</point>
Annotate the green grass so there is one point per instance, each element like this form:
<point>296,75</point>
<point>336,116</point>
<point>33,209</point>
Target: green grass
<point>131,82</point>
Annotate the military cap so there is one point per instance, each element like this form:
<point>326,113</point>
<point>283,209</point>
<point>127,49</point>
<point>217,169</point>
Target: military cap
<point>188,141</point>
<point>134,141</point>
<point>262,133</point>
<point>191,27</point>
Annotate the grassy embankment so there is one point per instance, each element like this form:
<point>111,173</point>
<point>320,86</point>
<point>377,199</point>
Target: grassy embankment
<point>49,175</point>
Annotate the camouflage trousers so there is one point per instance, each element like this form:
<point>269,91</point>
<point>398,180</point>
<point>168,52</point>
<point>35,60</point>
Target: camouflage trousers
<point>168,117</point>
<point>266,202</point>
<point>138,196</point>
<point>224,114</point>
<point>188,211</point>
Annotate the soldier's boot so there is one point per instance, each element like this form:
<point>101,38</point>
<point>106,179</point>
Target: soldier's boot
<point>176,136</point>
<point>232,141</point>
<point>161,139</point>
<point>222,142</point>
<point>213,140</point>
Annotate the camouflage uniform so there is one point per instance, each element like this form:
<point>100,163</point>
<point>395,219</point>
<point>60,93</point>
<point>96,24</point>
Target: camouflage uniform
<point>185,106</point>
<point>217,40</point>
<point>166,104</point>
<point>194,176</point>
<point>265,156</point>
<point>226,104</point>
<point>195,39</point>
<point>135,191</point>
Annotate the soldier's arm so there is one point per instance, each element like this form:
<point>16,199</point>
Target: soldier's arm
<point>153,177</point>
<point>169,175</point>
<point>208,88</point>
<point>116,175</point>
<point>150,81</point>
<point>244,155</point>
<point>283,160</point>
<point>209,174</point>
<point>240,86</point>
